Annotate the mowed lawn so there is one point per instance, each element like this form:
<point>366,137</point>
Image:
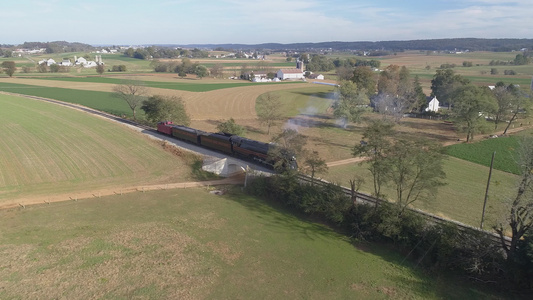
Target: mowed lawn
<point>49,149</point>
<point>190,244</point>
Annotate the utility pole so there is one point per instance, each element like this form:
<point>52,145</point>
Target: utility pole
<point>487,190</point>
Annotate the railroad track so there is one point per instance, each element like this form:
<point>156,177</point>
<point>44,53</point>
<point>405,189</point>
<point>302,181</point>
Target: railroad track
<point>369,199</point>
<point>358,195</point>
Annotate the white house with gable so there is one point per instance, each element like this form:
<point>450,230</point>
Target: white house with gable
<point>433,105</point>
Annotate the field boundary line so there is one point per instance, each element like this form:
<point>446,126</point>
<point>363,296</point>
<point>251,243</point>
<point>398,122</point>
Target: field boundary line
<point>22,203</point>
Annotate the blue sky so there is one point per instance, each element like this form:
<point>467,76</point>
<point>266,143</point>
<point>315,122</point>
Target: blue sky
<point>133,22</point>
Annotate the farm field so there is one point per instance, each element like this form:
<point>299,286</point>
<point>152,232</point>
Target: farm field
<point>461,199</point>
<point>481,152</point>
<point>189,244</point>
<point>49,150</point>
<point>178,84</point>
<point>237,102</point>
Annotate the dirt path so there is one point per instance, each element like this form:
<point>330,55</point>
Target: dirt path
<point>32,200</point>
<point>346,161</point>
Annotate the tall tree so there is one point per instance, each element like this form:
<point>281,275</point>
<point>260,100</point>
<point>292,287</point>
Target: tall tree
<point>396,95</point>
<point>510,103</point>
<point>364,77</point>
<point>375,144</point>
<point>444,83</point>
<point>520,215</point>
<point>415,168</point>
<point>389,80</point>
<point>160,108</point>
<point>471,104</point>
<point>313,165</point>
<point>100,69</point>
<point>421,101</point>
<point>201,71</point>
<point>231,127</point>
<point>351,102</point>
<point>268,109</point>
<point>131,91</point>
<point>9,67</point>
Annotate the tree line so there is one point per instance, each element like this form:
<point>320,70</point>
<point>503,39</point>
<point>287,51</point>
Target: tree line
<point>414,169</point>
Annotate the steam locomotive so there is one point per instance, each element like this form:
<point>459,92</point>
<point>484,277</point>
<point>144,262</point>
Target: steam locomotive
<point>230,144</point>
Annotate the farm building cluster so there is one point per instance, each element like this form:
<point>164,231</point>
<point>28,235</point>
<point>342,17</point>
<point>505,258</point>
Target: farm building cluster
<point>78,61</point>
<point>296,73</point>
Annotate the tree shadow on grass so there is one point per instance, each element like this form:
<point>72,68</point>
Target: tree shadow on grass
<point>323,95</point>
<point>281,218</point>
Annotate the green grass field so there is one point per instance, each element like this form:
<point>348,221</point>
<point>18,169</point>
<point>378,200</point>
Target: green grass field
<point>460,199</point>
<point>103,101</point>
<point>48,149</point>
<point>195,86</point>
<point>189,244</point>
<point>481,153</point>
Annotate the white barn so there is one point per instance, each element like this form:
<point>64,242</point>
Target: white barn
<point>433,105</point>
<point>284,74</point>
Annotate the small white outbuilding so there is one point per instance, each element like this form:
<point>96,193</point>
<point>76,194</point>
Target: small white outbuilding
<point>433,105</point>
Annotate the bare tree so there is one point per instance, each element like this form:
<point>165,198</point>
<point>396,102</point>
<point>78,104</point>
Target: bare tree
<point>133,92</point>
<point>269,110</point>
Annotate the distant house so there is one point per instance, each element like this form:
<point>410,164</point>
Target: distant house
<point>90,64</point>
<point>79,60</point>
<point>48,62</point>
<point>316,76</point>
<point>66,62</point>
<point>259,75</point>
<point>433,105</point>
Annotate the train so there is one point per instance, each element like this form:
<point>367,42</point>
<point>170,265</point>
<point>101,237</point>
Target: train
<point>230,144</point>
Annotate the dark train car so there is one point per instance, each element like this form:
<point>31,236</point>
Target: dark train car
<point>186,133</point>
<point>250,148</point>
<point>216,141</point>
<point>165,127</point>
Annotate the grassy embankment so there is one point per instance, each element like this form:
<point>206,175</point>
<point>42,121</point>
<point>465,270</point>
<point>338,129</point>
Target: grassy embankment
<point>189,244</point>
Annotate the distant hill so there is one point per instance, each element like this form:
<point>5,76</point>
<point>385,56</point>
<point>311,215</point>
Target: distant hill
<point>472,44</point>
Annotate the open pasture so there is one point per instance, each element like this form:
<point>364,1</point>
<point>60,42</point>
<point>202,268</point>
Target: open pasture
<point>189,244</point>
<point>178,84</point>
<point>49,150</point>
<point>461,199</point>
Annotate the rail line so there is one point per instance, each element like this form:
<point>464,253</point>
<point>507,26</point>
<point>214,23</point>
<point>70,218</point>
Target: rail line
<point>358,195</point>
<point>369,199</point>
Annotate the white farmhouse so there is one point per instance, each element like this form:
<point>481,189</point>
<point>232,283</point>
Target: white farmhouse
<point>80,61</point>
<point>66,62</point>
<point>433,105</point>
<point>316,76</point>
<point>48,62</point>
